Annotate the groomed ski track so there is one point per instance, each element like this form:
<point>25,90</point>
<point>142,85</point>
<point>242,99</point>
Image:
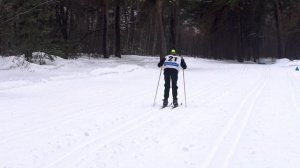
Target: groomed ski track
<point>237,116</point>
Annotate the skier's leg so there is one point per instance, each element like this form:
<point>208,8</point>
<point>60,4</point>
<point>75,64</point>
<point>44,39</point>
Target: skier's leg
<point>174,86</point>
<point>167,76</point>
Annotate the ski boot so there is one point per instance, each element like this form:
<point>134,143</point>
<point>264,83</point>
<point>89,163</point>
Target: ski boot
<point>175,103</point>
<point>165,103</point>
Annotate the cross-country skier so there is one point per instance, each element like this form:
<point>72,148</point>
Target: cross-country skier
<point>171,67</point>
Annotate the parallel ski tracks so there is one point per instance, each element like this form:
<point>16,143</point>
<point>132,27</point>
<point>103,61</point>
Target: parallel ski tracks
<point>11,135</point>
<point>101,140</point>
<point>64,119</point>
<point>225,145</point>
<point>108,137</point>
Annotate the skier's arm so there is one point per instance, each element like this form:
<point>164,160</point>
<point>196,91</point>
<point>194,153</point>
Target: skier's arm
<point>161,62</point>
<point>183,64</point>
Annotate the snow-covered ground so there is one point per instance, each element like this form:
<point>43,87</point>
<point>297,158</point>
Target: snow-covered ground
<point>98,114</point>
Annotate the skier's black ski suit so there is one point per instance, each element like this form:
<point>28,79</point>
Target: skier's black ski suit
<point>171,68</point>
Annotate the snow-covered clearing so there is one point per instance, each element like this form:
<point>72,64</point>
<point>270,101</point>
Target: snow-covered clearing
<point>99,114</point>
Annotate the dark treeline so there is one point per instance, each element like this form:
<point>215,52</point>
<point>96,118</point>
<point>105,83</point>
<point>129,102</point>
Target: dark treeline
<point>219,29</point>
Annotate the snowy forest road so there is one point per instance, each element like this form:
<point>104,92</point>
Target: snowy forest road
<point>238,116</point>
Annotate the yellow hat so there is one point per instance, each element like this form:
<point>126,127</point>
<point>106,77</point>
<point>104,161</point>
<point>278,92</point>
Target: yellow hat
<point>173,52</point>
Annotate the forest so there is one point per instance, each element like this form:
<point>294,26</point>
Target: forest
<point>239,30</point>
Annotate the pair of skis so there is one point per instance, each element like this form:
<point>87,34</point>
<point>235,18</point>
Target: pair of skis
<point>171,105</point>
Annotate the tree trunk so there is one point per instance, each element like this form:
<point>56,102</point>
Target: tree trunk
<point>104,31</point>
<point>173,25</point>
<point>62,15</point>
<point>240,56</point>
<point>162,37</point>
<point>117,30</point>
<point>154,41</point>
<point>279,29</point>
<point>28,55</point>
<point>132,27</point>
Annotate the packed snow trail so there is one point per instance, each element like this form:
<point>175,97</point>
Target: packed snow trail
<point>101,116</point>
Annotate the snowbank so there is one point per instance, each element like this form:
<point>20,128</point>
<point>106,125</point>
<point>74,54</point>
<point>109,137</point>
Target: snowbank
<point>287,62</point>
<point>13,62</point>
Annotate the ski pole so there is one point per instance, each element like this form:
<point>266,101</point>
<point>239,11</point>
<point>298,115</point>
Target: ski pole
<point>157,86</point>
<point>184,88</point>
